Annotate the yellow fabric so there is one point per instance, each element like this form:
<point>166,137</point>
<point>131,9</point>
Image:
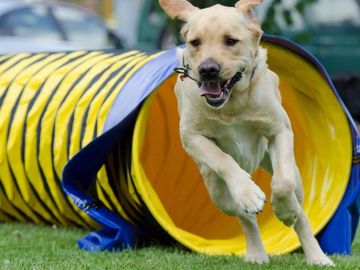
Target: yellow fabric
<point>14,142</point>
<point>170,185</point>
<point>11,189</point>
<point>31,164</point>
<point>52,106</point>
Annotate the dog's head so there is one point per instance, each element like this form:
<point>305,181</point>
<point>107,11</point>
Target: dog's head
<point>220,42</point>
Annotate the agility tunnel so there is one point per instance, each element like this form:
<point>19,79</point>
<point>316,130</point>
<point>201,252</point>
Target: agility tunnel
<point>91,139</point>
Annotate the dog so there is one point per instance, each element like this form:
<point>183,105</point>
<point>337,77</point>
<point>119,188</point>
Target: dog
<point>232,120</point>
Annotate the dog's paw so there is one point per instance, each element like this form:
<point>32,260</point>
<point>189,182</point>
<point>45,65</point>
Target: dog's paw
<point>249,198</point>
<point>257,258</point>
<point>320,259</point>
<point>286,208</point>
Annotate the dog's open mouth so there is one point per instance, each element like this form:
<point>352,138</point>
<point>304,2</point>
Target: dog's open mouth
<point>215,93</point>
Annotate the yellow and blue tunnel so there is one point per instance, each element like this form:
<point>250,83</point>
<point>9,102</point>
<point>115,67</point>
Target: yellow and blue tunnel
<point>91,139</point>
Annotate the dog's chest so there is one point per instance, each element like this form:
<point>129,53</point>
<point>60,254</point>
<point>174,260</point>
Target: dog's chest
<point>242,142</point>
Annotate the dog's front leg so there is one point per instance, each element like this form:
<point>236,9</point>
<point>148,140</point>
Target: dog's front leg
<point>287,195</point>
<point>284,185</point>
<point>247,197</point>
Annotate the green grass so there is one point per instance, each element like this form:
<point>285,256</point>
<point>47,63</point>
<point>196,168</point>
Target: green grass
<point>34,247</point>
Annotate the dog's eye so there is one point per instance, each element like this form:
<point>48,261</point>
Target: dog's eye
<point>230,41</point>
<point>195,43</point>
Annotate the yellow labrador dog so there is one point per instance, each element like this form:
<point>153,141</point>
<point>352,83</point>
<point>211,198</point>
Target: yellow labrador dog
<point>231,119</point>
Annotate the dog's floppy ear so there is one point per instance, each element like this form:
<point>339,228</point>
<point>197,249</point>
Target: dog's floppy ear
<point>247,5</point>
<point>180,9</point>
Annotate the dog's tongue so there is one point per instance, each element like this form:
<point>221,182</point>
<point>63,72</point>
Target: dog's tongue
<point>212,88</point>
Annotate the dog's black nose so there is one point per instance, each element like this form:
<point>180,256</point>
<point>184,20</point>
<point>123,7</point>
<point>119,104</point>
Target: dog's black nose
<point>209,70</point>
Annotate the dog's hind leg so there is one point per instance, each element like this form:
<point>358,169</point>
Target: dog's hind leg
<point>255,251</point>
<point>313,253</point>
<point>220,195</point>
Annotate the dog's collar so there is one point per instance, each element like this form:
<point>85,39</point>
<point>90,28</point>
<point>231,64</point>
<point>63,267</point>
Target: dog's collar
<point>184,73</point>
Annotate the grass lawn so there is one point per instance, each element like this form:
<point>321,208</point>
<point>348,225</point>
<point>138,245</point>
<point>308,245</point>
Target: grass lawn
<point>32,247</point>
